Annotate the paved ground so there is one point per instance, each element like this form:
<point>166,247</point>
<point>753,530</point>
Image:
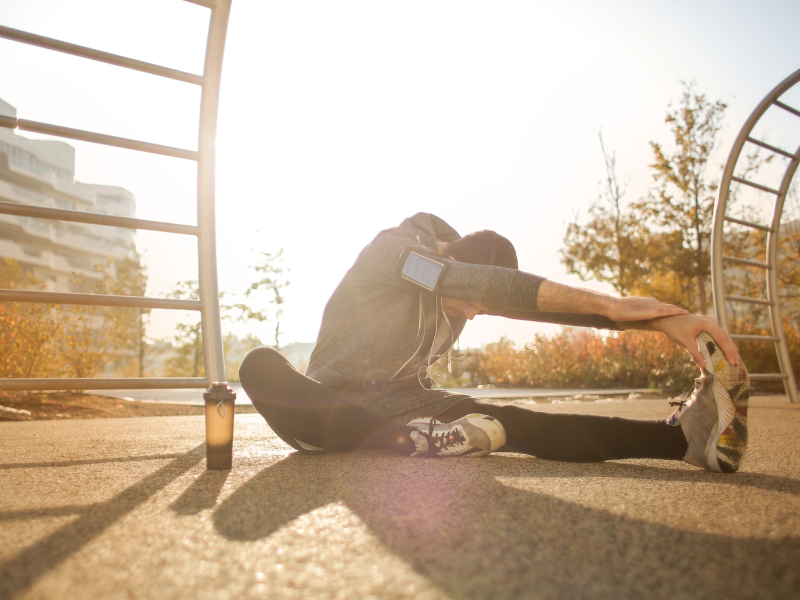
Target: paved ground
<point>123,508</point>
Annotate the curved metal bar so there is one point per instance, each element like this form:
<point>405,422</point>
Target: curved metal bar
<point>717,258</point>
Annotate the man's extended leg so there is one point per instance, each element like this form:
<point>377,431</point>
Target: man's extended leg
<point>709,429</point>
<point>577,438</point>
<point>310,416</point>
<point>566,437</point>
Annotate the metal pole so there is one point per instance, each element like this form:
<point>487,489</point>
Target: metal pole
<point>219,398</point>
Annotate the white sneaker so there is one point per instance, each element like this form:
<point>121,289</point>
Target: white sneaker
<point>713,416</point>
<point>473,435</point>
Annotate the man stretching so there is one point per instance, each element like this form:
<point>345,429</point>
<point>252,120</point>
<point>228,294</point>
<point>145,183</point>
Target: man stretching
<point>401,307</point>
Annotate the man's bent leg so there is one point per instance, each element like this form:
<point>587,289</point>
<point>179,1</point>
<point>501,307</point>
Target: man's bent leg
<point>577,438</point>
<point>308,415</point>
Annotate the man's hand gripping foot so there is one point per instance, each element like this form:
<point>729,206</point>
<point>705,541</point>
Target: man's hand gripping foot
<point>713,416</point>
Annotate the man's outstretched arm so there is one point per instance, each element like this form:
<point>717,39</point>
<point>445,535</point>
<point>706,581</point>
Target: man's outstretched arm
<point>555,297</point>
<point>646,314</point>
<point>684,329</point>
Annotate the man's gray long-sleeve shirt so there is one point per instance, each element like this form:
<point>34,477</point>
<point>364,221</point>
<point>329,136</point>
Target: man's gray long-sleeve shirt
<point>374,321</point>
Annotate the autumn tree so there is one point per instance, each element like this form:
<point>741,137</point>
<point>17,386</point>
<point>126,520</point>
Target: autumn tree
<point>27,329</point>
<point>86,338</point>
<point>611,246</point>
<point>682,203</point>
<point>129,325</point>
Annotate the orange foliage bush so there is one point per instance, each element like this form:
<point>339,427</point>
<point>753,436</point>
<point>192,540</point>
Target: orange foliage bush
<point>586,359</point>
<point>44,340</point>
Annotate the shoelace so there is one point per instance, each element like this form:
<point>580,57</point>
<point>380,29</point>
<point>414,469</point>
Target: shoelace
<point>683,402</point>
<point>441,441</point>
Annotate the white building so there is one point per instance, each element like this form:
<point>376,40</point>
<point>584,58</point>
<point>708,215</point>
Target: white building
<point>41,173</point>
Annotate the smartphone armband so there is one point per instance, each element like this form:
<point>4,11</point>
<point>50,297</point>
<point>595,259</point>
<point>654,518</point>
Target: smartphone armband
<point>422,270</point>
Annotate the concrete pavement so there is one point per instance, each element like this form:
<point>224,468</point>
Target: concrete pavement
<point>124,508</point>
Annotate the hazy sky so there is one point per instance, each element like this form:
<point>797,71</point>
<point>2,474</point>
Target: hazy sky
<point>339,119</point>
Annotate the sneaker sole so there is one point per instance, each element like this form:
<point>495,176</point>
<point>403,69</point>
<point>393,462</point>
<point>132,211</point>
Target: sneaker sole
<point>727,443</point>
<point>493,428</point>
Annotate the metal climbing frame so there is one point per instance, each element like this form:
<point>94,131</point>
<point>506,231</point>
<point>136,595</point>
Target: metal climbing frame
<point>718,259</point>
<point>219,399</point>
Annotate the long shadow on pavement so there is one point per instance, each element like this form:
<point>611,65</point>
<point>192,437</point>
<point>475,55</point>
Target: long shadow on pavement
<point>24,569</point>
<point>474,536</point>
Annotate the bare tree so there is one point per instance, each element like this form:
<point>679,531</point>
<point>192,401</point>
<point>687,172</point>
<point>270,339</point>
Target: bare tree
<point>267,293</point>
<point>611,246</point>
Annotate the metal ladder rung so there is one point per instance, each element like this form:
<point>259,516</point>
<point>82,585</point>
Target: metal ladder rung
<point>785,107</point>
<point>76,216</point>
<point>758,186</point>
<point>748,224</point>
<point>770,147</point>
<point>750,300</point>
<point>745,261</point>
<point>755,338</point>
<point>97,300</point>
<point>33,39</point>
<point>768,376</point>
<point>92,383</point>
<point>97,138</point>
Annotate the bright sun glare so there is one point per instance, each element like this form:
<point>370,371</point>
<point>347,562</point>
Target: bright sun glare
<point>339,119</point>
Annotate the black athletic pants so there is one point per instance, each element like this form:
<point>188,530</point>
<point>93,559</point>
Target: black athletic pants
<point>307,414</point>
